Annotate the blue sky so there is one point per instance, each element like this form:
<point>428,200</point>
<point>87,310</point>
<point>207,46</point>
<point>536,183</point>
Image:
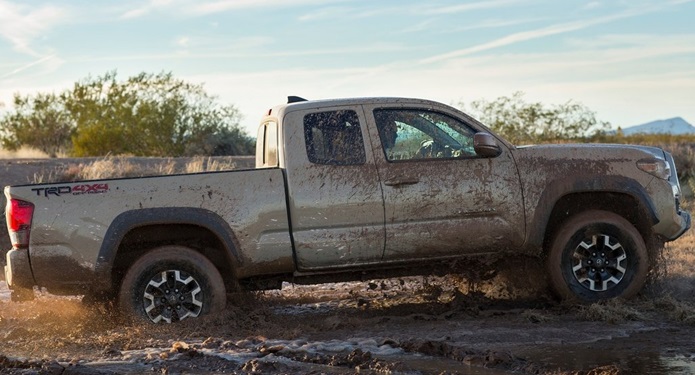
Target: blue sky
<point>630,61</point>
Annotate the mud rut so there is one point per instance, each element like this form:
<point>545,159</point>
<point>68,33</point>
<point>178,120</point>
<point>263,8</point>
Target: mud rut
<point>433,325</point>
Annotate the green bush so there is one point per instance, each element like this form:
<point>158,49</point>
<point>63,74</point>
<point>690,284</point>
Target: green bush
<point>144,115</point>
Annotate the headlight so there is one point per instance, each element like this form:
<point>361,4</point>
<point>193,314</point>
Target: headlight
<point>655,167</point>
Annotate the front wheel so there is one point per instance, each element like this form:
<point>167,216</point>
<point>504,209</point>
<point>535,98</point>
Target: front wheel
<point>597,255</point>
<point>170,284</point>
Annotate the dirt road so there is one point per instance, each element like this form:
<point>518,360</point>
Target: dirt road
<point>399,326</point>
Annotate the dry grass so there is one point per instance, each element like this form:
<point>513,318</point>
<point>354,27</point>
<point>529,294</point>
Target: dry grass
<point>678,310</point>
<point>202,164</point>
<point>108,167</point>
<point>120,167</point>
<point>679,261</point>
<point>611,311</point>
<point>23,153</point>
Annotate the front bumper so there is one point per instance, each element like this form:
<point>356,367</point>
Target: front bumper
<point>18,269</point>
<point>680,224</point>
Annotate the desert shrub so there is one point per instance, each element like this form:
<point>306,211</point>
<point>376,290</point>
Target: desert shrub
<point>39,122</point>
<point>144,115</point>
<point>524,122</point>
<point>684,157</point>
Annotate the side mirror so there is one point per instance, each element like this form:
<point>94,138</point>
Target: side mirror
<point>486,145</point>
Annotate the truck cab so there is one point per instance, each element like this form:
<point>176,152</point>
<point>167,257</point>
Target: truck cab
<point>382,181</point>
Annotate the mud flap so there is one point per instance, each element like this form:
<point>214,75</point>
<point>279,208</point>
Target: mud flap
<point>18,276</point>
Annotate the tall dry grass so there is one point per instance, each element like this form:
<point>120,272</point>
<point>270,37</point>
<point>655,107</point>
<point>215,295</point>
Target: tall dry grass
<point>23,153</point>
<point>202,164</point>
<point>120,167</point>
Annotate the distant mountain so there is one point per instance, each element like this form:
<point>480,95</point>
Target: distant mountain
<point>674,126</point>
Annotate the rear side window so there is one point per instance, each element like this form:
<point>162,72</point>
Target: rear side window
<point>334,137</point>
<point>267,145</point>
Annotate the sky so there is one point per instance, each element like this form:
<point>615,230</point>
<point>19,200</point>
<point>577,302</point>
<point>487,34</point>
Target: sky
<point>630,61</point>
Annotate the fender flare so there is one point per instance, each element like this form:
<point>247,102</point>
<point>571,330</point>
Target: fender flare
<point>127,221</point>
<point>557,189</point>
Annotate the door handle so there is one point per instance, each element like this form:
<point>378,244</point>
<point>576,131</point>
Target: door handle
<point>398,181</point>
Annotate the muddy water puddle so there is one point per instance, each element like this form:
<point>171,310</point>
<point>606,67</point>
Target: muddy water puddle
<point>668,352</point>
<point>629,347</point>
<point>346,329</point>
<point>362,356</point>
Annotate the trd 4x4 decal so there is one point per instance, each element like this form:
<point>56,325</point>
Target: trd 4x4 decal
<point>73,190</point>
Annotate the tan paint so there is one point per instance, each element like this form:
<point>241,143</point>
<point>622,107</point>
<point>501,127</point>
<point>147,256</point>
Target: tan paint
<point>343,216</point>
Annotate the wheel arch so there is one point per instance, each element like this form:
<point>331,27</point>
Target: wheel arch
<point>133,232</point>
<point>562,199</point>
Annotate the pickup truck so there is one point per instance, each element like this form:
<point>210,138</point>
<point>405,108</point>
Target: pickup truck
<point>346,189</point>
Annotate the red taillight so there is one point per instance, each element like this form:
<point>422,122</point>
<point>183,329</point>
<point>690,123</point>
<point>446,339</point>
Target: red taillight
<point>19,214</point>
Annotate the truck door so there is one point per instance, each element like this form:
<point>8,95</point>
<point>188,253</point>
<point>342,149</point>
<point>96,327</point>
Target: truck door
<point>334,195</point>
<point>441,199</point>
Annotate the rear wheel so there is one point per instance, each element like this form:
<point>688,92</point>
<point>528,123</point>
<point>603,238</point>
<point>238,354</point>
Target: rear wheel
<point>597,255</point>
<point>170,284</point>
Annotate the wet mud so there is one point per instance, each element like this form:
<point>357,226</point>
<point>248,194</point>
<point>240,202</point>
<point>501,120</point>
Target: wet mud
<point>433,325</point>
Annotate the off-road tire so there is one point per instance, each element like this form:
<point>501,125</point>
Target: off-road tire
<point>192,284</point>
<point>577,269</point>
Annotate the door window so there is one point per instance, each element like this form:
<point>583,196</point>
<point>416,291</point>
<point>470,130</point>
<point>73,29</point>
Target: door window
<point>408,134</point>
<point>334,137</point>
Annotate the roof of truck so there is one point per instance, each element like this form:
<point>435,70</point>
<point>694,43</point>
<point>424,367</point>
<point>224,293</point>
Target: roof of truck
<point>296,102</point>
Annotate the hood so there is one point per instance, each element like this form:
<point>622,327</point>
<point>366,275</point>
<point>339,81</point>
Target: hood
<point>584,150</point>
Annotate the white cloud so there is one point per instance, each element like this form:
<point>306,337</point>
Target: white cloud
<point>183,41</point>
<point>135,13</point>
<point>519,37</point>
<point>636,81</point>
<point>593,5</point>
<point>210,7</point>
<point>552,30</point>
<point>243,48</point>
<point>326,12</point>
<point>21,24</point>
<point>201,8</point>
<point>416,8</point>
<point>452,9</point>
<point>51,60</point>
<point>150,6</point>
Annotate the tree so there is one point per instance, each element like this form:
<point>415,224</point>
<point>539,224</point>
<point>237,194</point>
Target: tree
<point>148,115</point>
<point>225,142</point>
<point>39,122</point>
<point>145,115</point>
<point>522,122</point>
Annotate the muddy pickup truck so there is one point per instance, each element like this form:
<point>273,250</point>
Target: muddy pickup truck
<point>349,189</point>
